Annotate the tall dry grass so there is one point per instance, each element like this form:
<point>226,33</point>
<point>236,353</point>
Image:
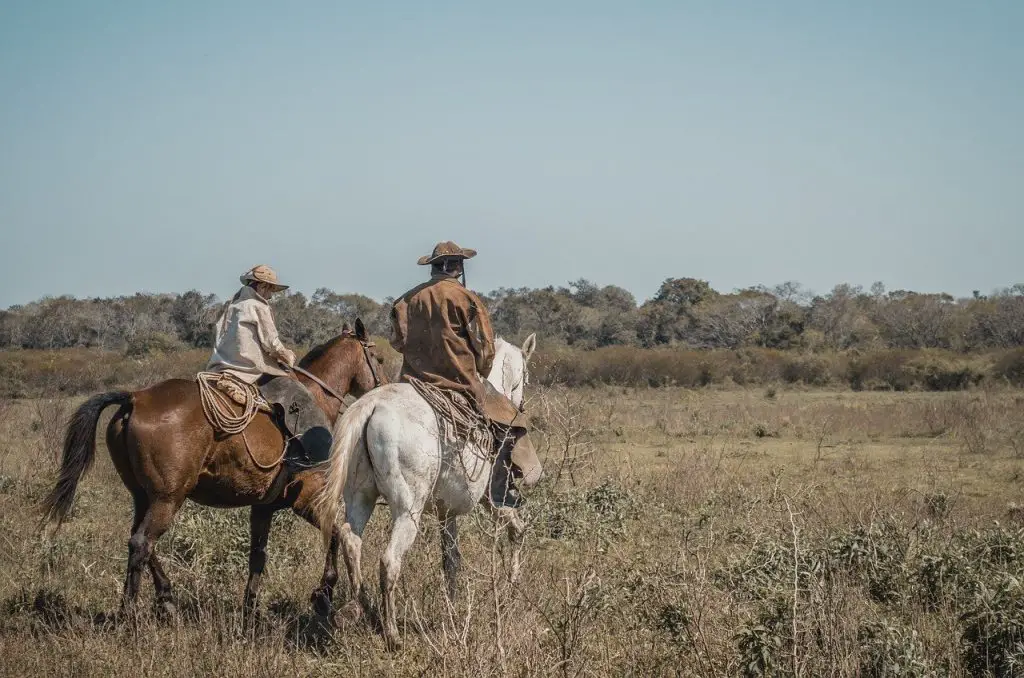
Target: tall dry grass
<point>714,532</point>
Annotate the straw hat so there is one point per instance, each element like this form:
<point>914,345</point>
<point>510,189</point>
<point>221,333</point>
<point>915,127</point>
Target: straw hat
<point>263,274</point>
<point>446,250</point>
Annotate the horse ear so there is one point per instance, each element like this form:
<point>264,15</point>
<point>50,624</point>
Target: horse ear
<point>360,330</point>
<point>344,328</point>
<point>529,346</point>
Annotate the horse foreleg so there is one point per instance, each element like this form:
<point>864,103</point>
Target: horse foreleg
<point>323,595</point>
<point>451,557</point>
<point>260,519</point>
<point>403,533</point>
<point>134,574</point>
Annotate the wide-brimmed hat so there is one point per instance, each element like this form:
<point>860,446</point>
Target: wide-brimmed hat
<point>263,274</point>
<point>446,250</point>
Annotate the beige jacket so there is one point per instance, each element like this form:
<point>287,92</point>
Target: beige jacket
<point>248,345</point>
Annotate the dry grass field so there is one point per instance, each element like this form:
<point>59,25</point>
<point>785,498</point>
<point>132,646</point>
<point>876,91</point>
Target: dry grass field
<point>679,532</point>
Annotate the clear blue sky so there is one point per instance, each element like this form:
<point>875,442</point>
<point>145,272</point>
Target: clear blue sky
<point>162,146</point>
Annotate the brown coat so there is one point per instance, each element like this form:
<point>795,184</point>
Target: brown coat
<point>444,333</point>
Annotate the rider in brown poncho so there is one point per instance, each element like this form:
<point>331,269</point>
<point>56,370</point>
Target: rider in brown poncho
<point>444,334</point>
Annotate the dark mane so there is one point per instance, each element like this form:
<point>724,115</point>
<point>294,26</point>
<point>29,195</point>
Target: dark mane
<point>317,352</point>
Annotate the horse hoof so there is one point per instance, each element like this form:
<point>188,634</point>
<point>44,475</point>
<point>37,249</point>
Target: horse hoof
<point>392,643</point>
<point>351,611</point>
<point>166,611</point>
<point>322,607</point>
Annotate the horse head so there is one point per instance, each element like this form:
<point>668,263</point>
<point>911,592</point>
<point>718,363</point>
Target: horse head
<point>510,373</point>
<point>348,363</point>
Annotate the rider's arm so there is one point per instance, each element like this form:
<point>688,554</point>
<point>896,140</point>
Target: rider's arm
<point>481,336</point>
<point>266,330</point>
<point>398,326</point>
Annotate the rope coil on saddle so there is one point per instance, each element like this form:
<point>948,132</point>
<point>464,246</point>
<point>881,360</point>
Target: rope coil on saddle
<point>219,392</point>
<point>458,420</point>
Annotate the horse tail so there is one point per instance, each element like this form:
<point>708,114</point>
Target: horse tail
<point>349,431</point>
<point>79,452</point>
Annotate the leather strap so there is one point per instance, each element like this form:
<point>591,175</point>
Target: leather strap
<point>316,380</point>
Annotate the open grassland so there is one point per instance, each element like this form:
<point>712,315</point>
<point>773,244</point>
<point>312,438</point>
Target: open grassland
<point>679,532</point>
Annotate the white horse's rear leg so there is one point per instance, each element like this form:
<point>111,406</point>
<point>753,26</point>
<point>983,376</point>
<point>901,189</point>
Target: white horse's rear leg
<point>359,505</point>
<point>403,533</point>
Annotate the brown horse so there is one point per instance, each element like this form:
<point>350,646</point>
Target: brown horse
<point>165,450</point>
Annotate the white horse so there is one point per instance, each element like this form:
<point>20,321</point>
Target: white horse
<point>388,444</point>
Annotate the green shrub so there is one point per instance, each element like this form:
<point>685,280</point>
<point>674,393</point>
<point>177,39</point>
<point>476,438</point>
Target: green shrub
<point>1010,367</point>
<point>993,636</point>
<point>810,370</point>
<point>147,343</point>
<point>905,370</point>
<point>889,649</point>
<point>935,373</point>
<point>599,511</point>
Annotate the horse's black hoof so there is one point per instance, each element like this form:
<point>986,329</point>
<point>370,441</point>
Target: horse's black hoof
<point>166,611</point>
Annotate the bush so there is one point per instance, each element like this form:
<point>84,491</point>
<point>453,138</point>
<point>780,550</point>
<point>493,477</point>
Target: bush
<point>993,636</point>
<point>1010,367</point>
<point>153,342</point>
<point>907,370</point>
<point>889,649</point>
<point>810,370</point>
<point>936,373</point>
<point>882,370</point>
<point>602,510</point>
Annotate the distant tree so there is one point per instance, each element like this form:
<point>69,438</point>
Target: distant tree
<point>912,320</point>
<point>194,315</point>
<point>843,317</point>
<point>997,321</point>
<point>684,293</point>
<point>670,316</point>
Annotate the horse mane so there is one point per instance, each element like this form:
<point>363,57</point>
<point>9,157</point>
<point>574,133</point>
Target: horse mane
<point>318,351</point>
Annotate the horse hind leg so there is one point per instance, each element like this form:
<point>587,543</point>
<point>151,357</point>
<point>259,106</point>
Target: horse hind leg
<point>359,507</point>
<point>403,533</point>
<point>164,600</point>
<point>133,573</point>
<point>152,518</point>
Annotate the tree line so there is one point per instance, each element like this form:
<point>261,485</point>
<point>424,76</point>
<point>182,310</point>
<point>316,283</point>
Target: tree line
<point>685,312</point>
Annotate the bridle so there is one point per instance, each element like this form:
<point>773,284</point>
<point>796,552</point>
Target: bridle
<point>523,381</point>
<point>370,363</point>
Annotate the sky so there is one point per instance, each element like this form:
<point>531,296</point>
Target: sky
<point>160,147</point>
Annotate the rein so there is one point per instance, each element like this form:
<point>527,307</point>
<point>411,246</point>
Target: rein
<point>367,345</point>
<point>316,380</point>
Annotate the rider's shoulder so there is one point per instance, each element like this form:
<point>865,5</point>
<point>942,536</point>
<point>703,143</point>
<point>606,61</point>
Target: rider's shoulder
<point>247,301</point>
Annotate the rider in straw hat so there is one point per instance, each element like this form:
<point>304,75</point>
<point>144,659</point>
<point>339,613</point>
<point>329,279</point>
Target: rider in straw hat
<point>248,348</point>
<point>444,334</point>
<point>248,345</point>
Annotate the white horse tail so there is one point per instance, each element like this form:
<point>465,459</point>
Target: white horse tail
<point>347,434</point>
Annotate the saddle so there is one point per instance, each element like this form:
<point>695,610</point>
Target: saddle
<point>457,418</point>
<point>292,409</point>
<point>242,393</point>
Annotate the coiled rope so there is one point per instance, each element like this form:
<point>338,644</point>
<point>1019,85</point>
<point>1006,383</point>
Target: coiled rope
<point>217,405</point>
<point>219,392</point>
<point>458,422</point>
